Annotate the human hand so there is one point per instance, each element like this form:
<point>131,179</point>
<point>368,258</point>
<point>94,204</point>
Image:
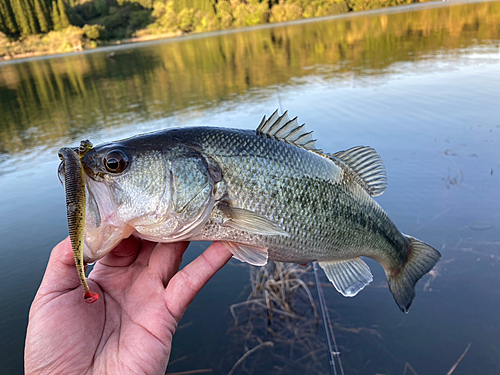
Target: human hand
<point>129,329</point>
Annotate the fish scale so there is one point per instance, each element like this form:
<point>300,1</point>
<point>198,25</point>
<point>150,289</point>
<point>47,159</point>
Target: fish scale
<point>268,194</point>
<point>303,179</point>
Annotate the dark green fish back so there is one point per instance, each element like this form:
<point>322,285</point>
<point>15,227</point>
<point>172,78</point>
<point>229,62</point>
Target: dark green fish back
<point>325,212</point>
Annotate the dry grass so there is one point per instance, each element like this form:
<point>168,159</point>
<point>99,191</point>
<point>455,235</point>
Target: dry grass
<point>279,326</point>
<point>279,315</point>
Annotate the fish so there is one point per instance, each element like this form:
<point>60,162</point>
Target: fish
<point>268,194</point>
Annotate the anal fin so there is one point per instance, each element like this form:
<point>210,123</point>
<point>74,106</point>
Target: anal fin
<point>256,256</point>
<point>347,276</point>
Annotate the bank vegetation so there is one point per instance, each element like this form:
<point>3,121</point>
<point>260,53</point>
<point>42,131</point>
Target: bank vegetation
<point>30,27</point>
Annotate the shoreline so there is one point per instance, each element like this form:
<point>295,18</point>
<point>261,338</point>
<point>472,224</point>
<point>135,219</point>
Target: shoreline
<point>172,37</point>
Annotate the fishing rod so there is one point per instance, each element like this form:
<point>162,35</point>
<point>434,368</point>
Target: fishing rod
<point>327,325</point>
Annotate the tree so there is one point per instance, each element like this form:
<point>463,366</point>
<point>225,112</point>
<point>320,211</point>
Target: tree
<point>7,20</point>
<point>42,15</point>
<point>206,6</point>
<point>56,19</point>
<point>29,14</point>
<point>20,17</point>
<point>63,16</point>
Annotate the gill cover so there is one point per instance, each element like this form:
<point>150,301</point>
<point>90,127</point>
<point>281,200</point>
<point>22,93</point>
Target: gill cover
<point>190,193</point>
<point>159,192</point>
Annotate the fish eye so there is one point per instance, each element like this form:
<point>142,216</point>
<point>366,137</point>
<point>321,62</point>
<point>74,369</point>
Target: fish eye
<point>115,161</point>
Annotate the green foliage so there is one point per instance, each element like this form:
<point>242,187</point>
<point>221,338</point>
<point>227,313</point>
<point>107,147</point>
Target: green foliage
<point>94,32</point>
<point>42,15</point>
<point>85,12</point>
<point>138,19</point>
<point>188,15</point>
<point>205,6</point>
<point>375,4</point>
<point>30,15</point>
<point>122,21</point>
<point>23,16</point>
<point>224,13</point>
<point>215,69</point>
<point>4,41</point>
<point>285,12</point>
<point>7,21</point>
<point>101,7</point>
<point>209,22</point>
<point>56,19</point>
<point>63,16</point>
<point>68,39</point>
<point>251,13</point>
<point>125,18</point>
<point>320,8</point>
<point>148,4</point>
<point>166,18</point>
<point>186,20</point>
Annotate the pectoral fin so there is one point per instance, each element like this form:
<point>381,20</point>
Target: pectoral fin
<point>256,256</point>
<point>250,222</point>
<point>347,276</point>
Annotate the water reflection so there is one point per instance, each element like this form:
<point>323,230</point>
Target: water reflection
<point>44,100</point>
<point>421,87</point>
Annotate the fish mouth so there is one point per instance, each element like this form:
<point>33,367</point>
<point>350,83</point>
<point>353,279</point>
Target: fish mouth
<point>103,229</point>
<point>72,177</point>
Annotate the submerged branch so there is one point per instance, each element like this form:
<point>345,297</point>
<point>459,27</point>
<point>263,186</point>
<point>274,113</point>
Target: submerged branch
<point>459,360</point>
<point>244,356</point>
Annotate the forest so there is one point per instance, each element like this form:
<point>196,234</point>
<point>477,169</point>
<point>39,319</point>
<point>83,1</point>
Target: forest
<point>47,26</point>
<point>48,92</point>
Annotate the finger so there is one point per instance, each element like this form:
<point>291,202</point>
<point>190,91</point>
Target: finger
<point>124,254</point>
<point>186,283</point>
<point>166,260</point>
<point>147,248</point>
<point>61,274</point>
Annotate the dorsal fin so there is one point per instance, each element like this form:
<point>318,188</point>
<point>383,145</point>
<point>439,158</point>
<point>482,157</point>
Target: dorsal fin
<point>365,165</point>
<point>283,129</point>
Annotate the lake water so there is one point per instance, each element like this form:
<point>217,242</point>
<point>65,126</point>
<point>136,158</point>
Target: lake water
<point>421,86</point>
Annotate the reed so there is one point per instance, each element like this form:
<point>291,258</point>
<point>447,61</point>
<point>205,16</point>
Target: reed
<point>279,315</point>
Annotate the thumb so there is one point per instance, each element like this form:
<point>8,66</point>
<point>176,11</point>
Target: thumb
<point>61,274</point>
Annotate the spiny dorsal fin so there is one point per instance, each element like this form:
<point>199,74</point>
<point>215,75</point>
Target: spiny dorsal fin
<point>286,130</point>
<point>365,165</point>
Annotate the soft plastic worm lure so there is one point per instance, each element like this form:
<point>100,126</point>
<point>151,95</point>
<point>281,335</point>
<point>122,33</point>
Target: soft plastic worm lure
<point>74,185</point>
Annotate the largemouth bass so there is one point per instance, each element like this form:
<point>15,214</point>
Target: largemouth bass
<point>268,194</point>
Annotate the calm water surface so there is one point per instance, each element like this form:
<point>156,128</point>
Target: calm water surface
<point>422,87</point>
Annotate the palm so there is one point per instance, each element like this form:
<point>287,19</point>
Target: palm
<point>129,329</point>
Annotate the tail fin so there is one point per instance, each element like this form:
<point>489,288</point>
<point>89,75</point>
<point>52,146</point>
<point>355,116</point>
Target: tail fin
<point>421,259</point>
